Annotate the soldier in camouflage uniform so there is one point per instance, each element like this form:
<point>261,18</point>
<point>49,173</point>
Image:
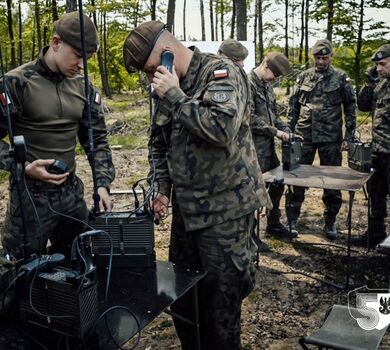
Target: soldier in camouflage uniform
<point>47,106</point>
<point>201,151</point>
<point>265,125</point>
<point>375,97</point>
<point>315,113</point>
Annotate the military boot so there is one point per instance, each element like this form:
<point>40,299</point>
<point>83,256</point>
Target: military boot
<point>293,226</point>
<point>330,229</point>
<point>281,231</point>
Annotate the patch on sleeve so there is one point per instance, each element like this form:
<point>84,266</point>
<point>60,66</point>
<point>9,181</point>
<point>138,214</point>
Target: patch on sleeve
<point>98,99</point>
<point>221,73</point>
<point>220,96</point>
<point>4,101</point>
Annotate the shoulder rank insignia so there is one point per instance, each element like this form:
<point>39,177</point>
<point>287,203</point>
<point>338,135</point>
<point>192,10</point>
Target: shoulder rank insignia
<point>221,73</point>
<point>97,98</point>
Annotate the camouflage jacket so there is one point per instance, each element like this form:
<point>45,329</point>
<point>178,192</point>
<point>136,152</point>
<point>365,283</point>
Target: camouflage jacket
<point>377,99</point>
<point>202,144</point>
<point>49,110</point>
<point>264,120</point>
<point>315,106</point>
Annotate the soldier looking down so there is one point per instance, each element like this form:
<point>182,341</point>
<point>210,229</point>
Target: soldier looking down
<point>203,159</point>
<point>315,113</point>
<point>47,106</point>
<point>266,125</point>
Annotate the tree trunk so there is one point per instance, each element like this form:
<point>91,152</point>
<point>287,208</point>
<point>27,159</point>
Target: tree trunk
<point>54,10</point>
<point>329,27</point>
<point>211,20</point>
<point>184,20</point>
<point>71,5</point>
<point>136,14</point>
<point>241,19</point>
<point>45,26</point>
<point>20,34</point>
<point>255,31</point>
<point>222,23</point>
<point>260,30</point>
<point>102,71</point>
<point>216,19</point>
<point>153,4</point>
<point>38,25</point>
<point>11,34</point>
<point>286,38</point>
<point>359,46</point>
<point>202,20</point>
<point>171,14</point>
<point>233,21</point>
<point>307,33</point>
<point>300,55</point>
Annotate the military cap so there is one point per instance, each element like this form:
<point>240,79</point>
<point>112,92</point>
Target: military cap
<point>68,28</point>
<point>381,53</point>
<point>322,47</point>
<point>139,44</point>
<point>278,63</point>
<point>233,49</point>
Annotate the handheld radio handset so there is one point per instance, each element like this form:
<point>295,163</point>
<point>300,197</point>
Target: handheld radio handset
<point>167,60</point>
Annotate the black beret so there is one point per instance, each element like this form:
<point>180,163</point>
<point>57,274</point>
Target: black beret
<point>381,53</point>
<point>68,28</point>
<point>139,44</point>
<point>233,49</point>
<point>278,63</point>
<point>322,47</point>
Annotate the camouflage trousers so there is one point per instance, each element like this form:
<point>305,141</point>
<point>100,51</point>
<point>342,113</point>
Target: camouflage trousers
<point>44,206</point>
<point>330,154</point>
<point>226,252</point>
<point>275,190</point>
<point>379,188</point>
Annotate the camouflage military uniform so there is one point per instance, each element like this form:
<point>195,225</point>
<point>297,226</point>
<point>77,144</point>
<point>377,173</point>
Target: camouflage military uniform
<point>201,145</point>
<point>48,110</point>
<point>264,125</point>
<point>377,98</point>
<point>315,113</point>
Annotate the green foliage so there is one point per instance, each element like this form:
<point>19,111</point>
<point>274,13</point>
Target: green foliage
<point>3,176</point>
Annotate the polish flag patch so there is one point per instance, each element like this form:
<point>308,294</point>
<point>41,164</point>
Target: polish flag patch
<point>221,73</point>
<point>98,99</point>
<point>3,100</point>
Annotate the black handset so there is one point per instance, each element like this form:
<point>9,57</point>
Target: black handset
<point>167,60</point>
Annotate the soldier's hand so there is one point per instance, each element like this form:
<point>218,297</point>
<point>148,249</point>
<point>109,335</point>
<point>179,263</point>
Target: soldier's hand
<point>298,137</point>
<point>284,136</point>
<point>160,206</point>
<point>371,75</point>
<point>38,170</point>
<point>105,203</point>
<point>344,146</point>
<point>163,80</point>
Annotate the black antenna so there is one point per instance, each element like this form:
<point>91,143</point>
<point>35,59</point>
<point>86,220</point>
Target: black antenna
<point>19,156</point>
<point>95,196</point>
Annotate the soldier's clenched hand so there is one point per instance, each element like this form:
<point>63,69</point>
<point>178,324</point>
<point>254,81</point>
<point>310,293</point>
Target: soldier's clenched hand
<point>163,80</point>
<point>160,206</point>
<point>38,170</point>
<point>105,203</point>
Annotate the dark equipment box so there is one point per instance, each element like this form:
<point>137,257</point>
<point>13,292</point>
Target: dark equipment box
<point>132,239</point>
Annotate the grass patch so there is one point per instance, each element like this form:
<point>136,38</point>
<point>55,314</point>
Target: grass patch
<point>363,118</point>
<point>129,141</point>
<point>3,176</point>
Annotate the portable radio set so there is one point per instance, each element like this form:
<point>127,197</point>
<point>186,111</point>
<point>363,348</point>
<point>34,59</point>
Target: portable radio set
<point>359,155</point>
<point>291,153</point>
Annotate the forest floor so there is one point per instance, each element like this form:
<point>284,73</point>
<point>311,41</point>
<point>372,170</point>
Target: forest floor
<point>285,304</point>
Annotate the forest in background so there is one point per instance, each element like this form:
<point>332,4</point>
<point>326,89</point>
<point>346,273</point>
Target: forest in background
<point>26,27</point>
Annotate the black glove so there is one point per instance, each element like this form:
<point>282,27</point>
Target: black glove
<point>371,75</point>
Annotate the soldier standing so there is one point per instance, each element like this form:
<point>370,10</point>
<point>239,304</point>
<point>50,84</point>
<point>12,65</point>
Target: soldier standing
<point>47,106</point>
<point>375,96</point>
<point>315,113</point>
<point>202,157</point>
<point>266,125</point>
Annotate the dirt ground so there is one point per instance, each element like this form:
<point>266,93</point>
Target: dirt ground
<point>285,303</point>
